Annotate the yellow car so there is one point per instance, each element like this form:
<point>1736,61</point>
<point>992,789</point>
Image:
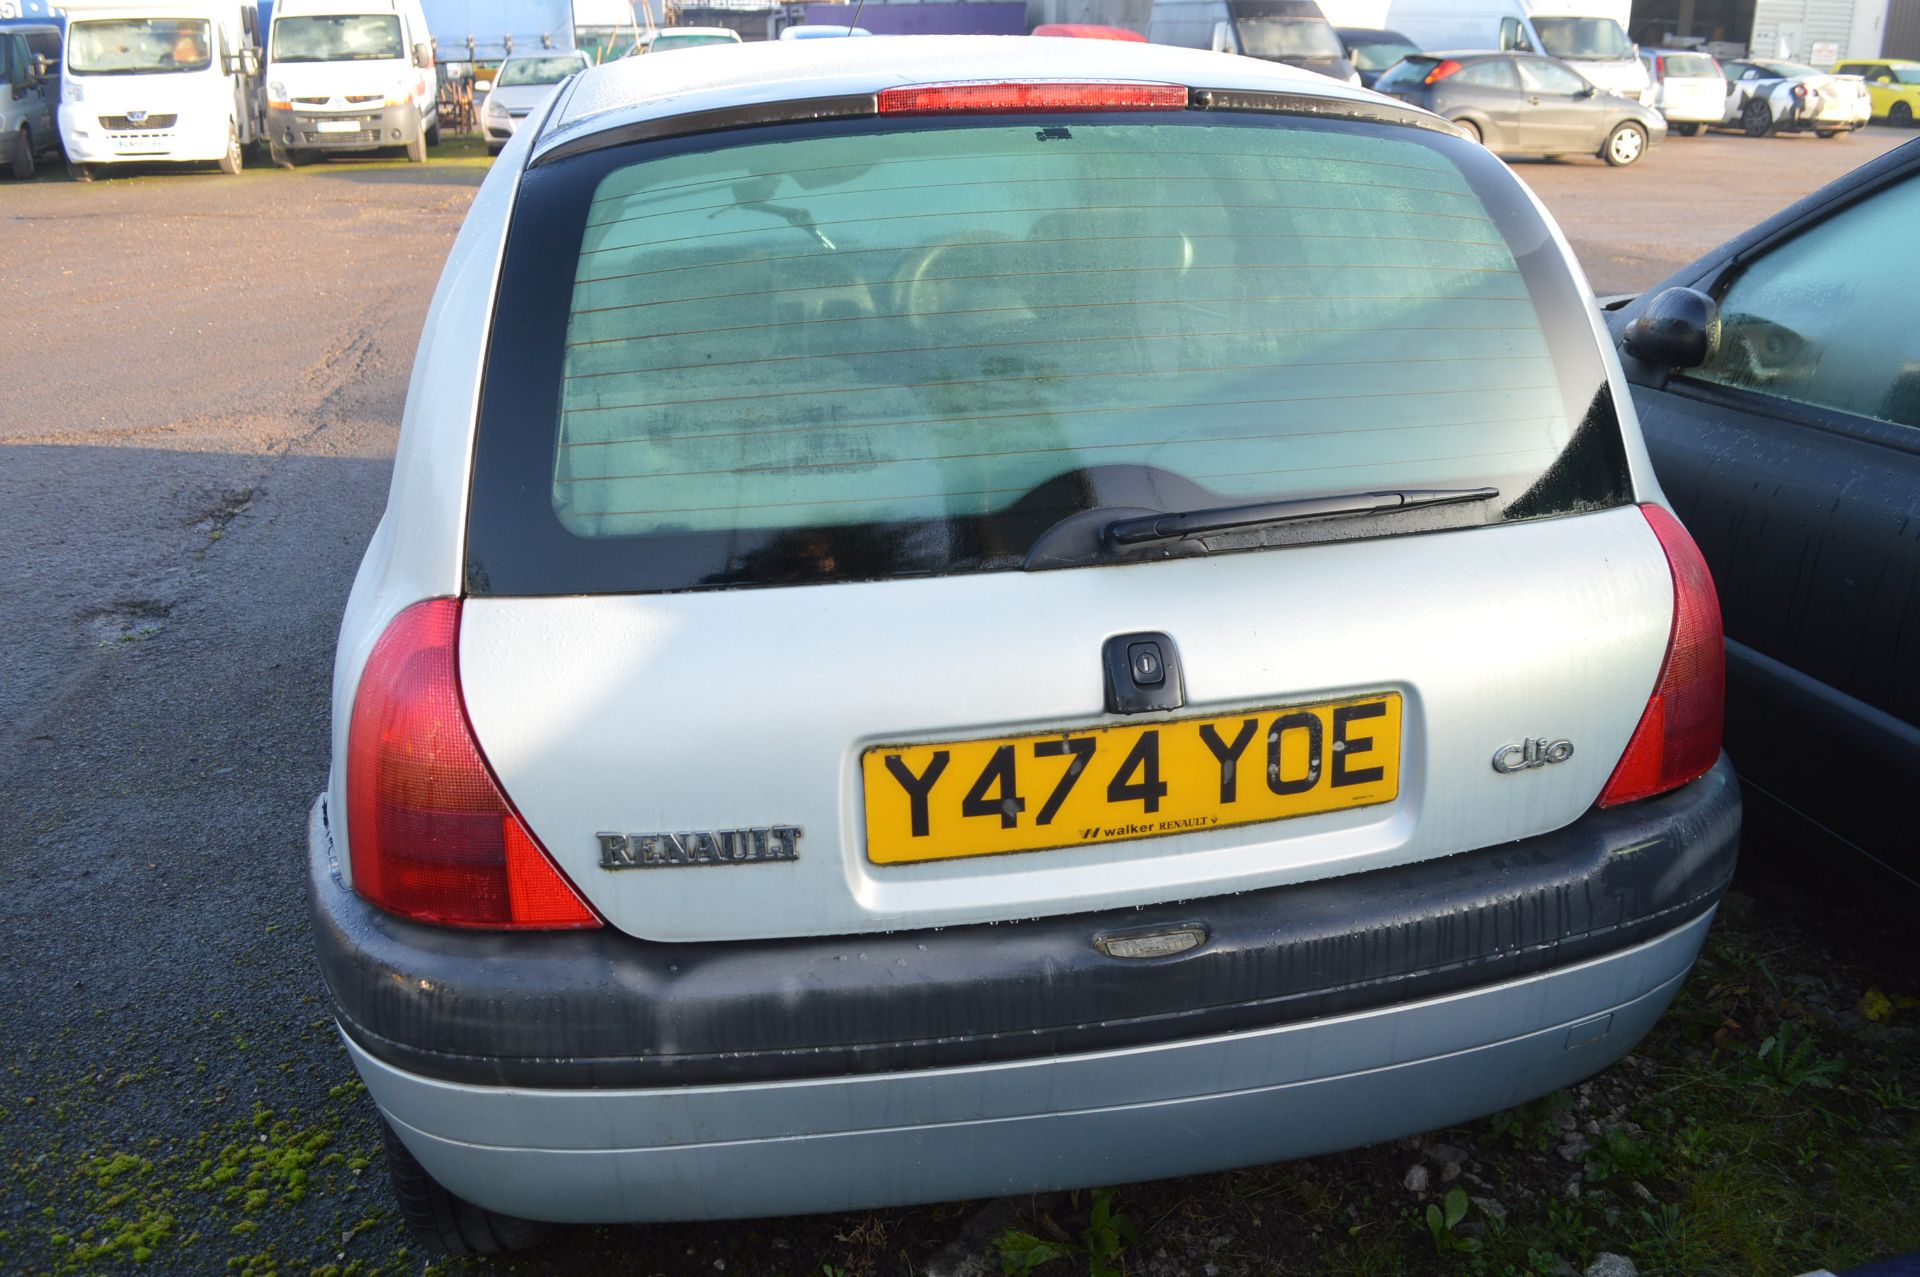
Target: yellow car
<point>1893,83</point>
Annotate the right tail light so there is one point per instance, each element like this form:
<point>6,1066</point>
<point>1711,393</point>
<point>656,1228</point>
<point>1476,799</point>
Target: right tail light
<point>1678,739</point>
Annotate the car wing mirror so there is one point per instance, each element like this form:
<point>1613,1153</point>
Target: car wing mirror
<point>423,54</point>
<point>1585,93</point>
<point>1680,328</point>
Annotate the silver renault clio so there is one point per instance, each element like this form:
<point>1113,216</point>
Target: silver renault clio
<point>968,616</point>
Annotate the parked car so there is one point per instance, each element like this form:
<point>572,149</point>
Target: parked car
<point>1291,32</point>
<point>1893,85</point>
<point>1588,35</point>
<point>820,31</point>
<point>350,76</point>
<point>29,95</point>
<point>1689,88</point>
<point>1787,433</point>
<point>1519,104</point>
<point>523,83</point>
<point>1767,96</point>
<point>667,38</point>
<point>1372,50</point>
<point>1165,659</point>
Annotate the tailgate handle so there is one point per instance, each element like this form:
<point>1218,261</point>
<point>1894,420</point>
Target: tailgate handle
<point>1143,673</point>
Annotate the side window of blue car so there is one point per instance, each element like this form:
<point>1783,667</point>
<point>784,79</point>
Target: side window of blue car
<point>1804,322</point>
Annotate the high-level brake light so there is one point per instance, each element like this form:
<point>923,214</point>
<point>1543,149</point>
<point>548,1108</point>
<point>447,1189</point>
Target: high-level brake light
<point>937,99</point>
<point>1441,71</point>
<point>430,833</point>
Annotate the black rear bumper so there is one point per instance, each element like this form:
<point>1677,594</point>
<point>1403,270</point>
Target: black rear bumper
<point>601,1009</point>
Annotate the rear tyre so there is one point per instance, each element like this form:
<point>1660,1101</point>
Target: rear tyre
<point>417,144</point>
<point>1687,130</point>
<point>1756,119</point>
<point>1831,132</point>
<point>1625,145</point>
<point>447,1224</point>
<point>233,161</point>
<point>433,132</point>
<point>493,149</point>
<point>79,172</point>
<point>1471,129</point>
<point>23,154</point>
<point>1900,115</point>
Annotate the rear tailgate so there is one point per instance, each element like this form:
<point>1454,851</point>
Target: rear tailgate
<point>718,711</point>
<point>788,433</point>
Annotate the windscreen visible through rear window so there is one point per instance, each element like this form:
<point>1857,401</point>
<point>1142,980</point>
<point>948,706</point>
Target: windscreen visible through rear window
<point>1687,65</point>
<point>838,352</point>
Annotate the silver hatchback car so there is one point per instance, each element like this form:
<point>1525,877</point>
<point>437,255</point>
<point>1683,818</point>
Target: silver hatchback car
<point>967,616</point>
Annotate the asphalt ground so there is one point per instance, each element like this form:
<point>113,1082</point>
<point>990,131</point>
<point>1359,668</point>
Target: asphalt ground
<point>200,391</point>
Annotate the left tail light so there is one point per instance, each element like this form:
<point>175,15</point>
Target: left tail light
<point>1678,739</point>
<point>430,833</point>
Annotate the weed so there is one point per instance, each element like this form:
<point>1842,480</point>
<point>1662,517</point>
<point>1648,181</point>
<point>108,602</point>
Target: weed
<point>1787,1062</point>
<point>1568,1227</point>
<point>1102,1243</point>
<point>1445,1217</point>
<point>1535,1125</point>
<point>1618,1155</point>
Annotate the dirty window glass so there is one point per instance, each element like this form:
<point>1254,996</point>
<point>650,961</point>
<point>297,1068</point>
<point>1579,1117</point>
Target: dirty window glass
<point>1582,38</point>
<point>358,37</point>
<point>138,46</point>
<point>1546,77</point>
<point>936,326</point>
<point>1810,321</point>
<point>1688,66</point>
<point>1495,73</point>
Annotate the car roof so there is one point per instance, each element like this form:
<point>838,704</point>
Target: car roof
<point>626,92</point>
<point>1361,33</point>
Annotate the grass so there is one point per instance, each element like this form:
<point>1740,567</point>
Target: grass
<point>455,152</point>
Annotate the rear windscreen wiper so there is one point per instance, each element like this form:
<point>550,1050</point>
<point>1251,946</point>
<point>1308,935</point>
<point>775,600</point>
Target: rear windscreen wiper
<point>1148,528</point>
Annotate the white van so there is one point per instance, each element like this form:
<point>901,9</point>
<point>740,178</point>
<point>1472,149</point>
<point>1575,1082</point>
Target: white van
<point>160,80</point>
<point>1588,35</point>
<point>350,75</point>
<point>1292,32</point>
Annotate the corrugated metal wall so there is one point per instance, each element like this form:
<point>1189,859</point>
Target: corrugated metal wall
<point>1132,14</point>
<point>1903,30</point>
<point>1790,28</point>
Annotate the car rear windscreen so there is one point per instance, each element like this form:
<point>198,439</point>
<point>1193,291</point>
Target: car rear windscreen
<point>850,351</point>
<point>1688,66</point>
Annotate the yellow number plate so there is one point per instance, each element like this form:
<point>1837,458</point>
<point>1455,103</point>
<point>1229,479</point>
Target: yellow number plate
<point>1069,789</point>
